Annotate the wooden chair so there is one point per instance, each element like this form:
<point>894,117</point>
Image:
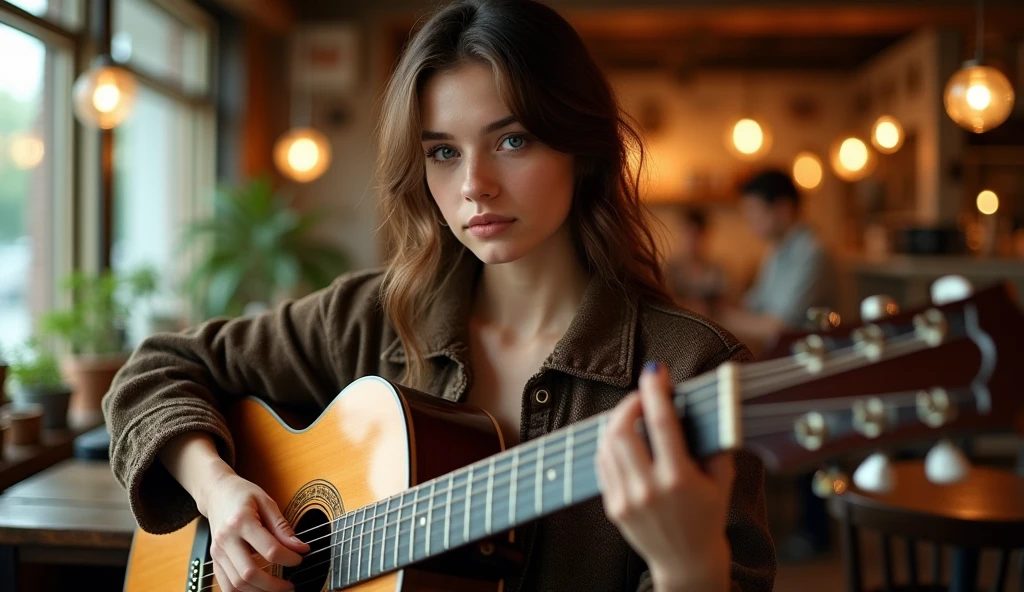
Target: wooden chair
<point>985,511</point>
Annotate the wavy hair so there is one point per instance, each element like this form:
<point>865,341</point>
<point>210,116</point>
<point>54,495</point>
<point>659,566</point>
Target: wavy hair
<point>549,81</point>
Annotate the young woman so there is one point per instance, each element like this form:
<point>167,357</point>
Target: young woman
<point>522,279</point>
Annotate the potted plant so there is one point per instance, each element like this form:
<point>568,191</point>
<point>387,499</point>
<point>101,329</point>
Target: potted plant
<point>25,421</point>
<point>94,329</point>
<point>255,249</point>
<point>3,377</point>
<point>36,380</point>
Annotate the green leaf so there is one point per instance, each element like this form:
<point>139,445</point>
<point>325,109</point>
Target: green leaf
<point>223,288</point>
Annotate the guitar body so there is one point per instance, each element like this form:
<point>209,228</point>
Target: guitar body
<point>375,440</point>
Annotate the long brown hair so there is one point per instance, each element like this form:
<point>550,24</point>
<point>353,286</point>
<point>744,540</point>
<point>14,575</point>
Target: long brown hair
<point>552,85</point>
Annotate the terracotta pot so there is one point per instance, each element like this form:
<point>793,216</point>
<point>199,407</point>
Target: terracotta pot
<point>3,379</point>
<point>25,421</point>
<point>90,378</point>
<point>53,400</point>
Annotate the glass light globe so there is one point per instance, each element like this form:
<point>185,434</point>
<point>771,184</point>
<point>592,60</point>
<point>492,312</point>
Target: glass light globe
<point>807,170</point>
<point>302,154</point>
<point>978,98</point>
<point>26,150</point>
<point>103,96</point>
<point>748,139</point>
<point>852,159</point>
<point>987,202</point>
<point>887,134</point>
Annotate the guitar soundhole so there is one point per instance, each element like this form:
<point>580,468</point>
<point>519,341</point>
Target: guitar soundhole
<point>311,575</point>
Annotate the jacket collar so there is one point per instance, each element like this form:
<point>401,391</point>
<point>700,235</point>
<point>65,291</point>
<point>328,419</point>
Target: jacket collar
<point>598,345</point>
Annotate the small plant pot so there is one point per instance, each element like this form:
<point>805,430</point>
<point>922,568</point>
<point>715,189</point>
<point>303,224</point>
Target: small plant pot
<point>53,400</point>
<point>3,380</point>
<point>89,378</point>
<point>25,422</point>
<point>3,436</point>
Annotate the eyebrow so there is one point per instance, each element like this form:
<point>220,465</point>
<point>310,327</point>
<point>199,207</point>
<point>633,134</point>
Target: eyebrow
<point>489,128</point>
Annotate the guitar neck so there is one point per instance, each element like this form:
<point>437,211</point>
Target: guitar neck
<point>497,494</point>
<point>558,470</point>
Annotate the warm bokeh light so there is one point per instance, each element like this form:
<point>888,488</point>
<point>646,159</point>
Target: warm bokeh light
<point>27,150</point>
<point>302,154</point>
<point>988,202</point>
<point>978,98</point>
<point>104,96</point>
<point>887,134</point>
<point>747,136</point>
<point>807,170</point>
<point>852,159</point>
<point>748,139</point>
<point>853,154</point>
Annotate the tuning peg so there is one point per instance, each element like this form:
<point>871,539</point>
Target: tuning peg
<point>875,474</point>
<point>877,307</point>
<point>822,318</point>
<point>950,288</point>
<point>827,483</point>
<point>945,463</point>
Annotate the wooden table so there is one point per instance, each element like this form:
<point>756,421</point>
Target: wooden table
<point>984,510</point>
<point>73,513</point>
<point>21,461</point>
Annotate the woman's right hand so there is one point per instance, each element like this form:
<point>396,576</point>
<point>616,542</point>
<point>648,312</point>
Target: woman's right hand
<point>244,519</point>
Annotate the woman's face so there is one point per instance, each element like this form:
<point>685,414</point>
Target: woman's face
<point>501,191</point>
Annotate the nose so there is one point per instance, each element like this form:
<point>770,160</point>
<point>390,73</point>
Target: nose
<point>481,181</point>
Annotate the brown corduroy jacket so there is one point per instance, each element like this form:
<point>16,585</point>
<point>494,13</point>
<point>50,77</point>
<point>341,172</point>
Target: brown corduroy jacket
<point>304,352</point>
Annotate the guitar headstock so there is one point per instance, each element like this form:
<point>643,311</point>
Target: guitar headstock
<point>955,367</point>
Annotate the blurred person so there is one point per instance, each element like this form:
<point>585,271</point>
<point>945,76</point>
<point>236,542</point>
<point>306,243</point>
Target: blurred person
<point>797,273</point>
<point>523,257</point>
<point>694,281</point>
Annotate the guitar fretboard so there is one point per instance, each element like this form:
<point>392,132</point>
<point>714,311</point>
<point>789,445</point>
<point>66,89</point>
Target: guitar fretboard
<point>494,495</point>
<point>508,489</point>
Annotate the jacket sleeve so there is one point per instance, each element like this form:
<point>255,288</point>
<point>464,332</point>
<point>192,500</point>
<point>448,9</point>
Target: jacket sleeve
<point>178,382</point>
<point>753,551</point>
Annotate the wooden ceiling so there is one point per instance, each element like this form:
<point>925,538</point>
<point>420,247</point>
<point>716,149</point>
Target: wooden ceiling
<point>833,35</point>
<point>821,37</point>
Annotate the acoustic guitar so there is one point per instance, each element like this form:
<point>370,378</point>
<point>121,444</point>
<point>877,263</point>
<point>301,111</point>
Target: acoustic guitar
<point>396,490</point>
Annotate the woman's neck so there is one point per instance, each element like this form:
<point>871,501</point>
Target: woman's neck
<point>536,295</point>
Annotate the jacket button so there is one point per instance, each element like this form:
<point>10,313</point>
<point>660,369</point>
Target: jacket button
<point>541,396</point>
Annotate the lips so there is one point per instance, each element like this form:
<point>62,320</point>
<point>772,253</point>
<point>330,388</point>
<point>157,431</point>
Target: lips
<point>488,225</point>
<point>482,219</point>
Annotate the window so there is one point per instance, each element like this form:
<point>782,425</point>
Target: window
<point>35,167</point>
<point>163,152</point>
<point>161,175</point>
<point>67,13</point>
<point>170,46</point>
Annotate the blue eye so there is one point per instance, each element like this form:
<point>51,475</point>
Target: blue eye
<point>514,142</point>
<point>442,153</point>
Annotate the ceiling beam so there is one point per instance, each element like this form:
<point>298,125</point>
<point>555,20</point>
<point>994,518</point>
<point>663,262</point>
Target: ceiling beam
<point>275,15</point>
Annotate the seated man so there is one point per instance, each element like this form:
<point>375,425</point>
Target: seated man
<point>694,281</point>
<point>795,276</point>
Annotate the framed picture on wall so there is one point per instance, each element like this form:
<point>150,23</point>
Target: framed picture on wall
<point>326,59</point>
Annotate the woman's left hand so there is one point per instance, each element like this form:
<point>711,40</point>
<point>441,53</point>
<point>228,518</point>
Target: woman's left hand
<point>669,510</point>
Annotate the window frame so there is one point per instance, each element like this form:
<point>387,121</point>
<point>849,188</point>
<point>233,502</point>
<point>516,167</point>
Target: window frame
<point>66,158</point>
<point>87,193</point>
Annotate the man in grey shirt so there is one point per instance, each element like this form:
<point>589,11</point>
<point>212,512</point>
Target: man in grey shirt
<point>796,275</point>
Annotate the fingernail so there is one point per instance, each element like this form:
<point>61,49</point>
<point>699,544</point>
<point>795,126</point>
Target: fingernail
<point>296,539</point>
<point>651,367</point>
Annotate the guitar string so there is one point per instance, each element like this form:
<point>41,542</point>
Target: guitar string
<point>793,372</point>
<point>704,394</point>
<point>381,542</point>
